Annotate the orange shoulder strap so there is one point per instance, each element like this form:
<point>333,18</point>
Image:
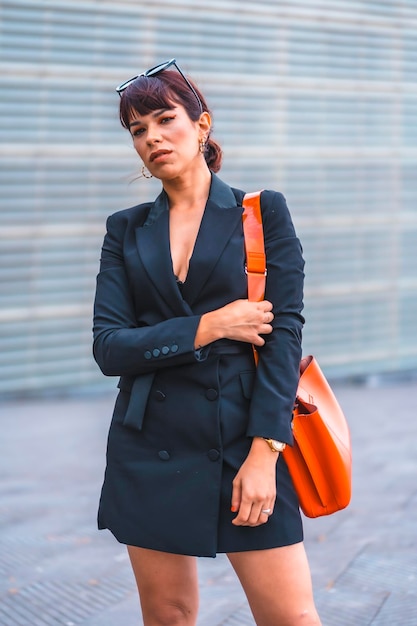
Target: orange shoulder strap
<point>254,246</point>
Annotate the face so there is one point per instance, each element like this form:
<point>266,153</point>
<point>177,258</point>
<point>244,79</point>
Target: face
<point>167,140</point>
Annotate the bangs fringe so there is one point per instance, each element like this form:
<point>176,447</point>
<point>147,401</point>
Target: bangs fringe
<point>144,96</point>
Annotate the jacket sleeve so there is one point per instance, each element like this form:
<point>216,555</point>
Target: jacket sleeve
<point>277,373</point>
<point>122,347</point>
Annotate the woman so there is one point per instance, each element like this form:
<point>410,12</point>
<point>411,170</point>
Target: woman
<point>193,460</point>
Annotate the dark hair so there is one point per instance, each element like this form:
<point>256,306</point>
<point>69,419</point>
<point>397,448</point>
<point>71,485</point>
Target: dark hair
<point>148,94</point>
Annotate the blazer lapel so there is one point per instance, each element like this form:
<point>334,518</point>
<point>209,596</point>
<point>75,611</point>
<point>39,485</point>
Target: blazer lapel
<point>221,216</point>
<point>152,241</point>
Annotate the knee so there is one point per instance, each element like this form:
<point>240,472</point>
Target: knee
<point>307,617</point>
<point>172,614</point>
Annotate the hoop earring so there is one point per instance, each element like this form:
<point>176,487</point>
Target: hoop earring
<point>202,146</point>
<point>146,173</point>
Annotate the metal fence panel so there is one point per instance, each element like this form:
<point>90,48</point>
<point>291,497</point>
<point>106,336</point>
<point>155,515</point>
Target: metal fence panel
<point>316,99</point>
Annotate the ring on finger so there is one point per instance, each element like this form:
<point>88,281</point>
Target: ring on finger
<point>266,511</point>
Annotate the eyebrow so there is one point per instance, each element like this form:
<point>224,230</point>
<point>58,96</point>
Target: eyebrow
<point>154,114</point>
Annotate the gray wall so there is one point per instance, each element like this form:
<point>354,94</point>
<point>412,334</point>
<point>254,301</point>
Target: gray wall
<point>316,99</point>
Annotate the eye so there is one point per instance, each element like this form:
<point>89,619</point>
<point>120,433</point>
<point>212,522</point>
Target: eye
<point>138,132</point>
<point>166,120</point>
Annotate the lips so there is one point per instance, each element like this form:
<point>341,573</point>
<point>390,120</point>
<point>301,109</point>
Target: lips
<point>157,154</point>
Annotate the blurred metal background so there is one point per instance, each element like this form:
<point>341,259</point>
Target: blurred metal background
<point>315,98</point>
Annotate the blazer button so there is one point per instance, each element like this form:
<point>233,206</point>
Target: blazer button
<point>159,395</point>
<point>174,347</point>
<point>163,455</point>
<point>156,352</point>
<point>147,354</point>
<point>213,454</point>
<point>164,349</point>
<point>211,394</point>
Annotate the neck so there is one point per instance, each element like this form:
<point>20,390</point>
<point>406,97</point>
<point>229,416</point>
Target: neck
<point>189,190</point>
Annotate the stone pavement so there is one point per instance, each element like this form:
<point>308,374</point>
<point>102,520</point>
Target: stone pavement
<point>57,569</point>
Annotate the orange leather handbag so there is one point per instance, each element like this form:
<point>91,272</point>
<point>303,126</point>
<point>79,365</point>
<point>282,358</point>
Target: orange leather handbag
<point>320,460</point>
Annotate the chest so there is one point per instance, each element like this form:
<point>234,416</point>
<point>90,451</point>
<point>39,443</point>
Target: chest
<point>183,232</point>
<point>211,258</point>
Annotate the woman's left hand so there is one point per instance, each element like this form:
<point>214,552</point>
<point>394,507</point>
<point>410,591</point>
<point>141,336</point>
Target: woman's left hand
<point>254,486</point>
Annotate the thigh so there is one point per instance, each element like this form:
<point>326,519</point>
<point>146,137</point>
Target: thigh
<point>165,582</point>
<point>277,583</point>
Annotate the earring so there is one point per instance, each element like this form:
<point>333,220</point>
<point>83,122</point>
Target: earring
<point>202,146</point>
<point>146,173</point>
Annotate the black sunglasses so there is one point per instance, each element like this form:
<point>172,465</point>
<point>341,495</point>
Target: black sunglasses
<point>157,70</point>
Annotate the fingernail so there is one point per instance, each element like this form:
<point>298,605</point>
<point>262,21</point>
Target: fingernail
<point>233,509</point>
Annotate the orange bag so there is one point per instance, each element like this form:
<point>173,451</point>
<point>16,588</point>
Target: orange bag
<point>320,461</point>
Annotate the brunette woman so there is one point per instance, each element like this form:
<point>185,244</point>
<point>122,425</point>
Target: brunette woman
<point>193,460</point>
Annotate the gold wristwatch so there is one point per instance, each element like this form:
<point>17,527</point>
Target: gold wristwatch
<point>276,446</point>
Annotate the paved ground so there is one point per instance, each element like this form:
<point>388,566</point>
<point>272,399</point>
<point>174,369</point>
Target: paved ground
<point>57,569</point>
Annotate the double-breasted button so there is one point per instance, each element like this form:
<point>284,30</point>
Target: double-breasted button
<point>147,354</point>
<point>211,394</point>
<point>156,352</point>
<point>159,395</point>
<point>213,454</point>
<point>164,349</point>
<point>163,455</point>
<point>174,347</point>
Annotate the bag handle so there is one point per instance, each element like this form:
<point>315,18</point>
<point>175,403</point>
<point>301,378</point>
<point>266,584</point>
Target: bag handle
<point>254,246</point>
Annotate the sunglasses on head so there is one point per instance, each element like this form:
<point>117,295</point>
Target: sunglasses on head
<point>157,70</point>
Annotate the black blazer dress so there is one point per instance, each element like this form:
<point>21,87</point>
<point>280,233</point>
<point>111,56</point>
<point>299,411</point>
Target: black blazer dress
<point>184,418</point>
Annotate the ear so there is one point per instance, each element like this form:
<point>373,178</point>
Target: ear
<point>204,124</point>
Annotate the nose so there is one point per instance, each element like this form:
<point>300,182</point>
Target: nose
<point>153,135</point>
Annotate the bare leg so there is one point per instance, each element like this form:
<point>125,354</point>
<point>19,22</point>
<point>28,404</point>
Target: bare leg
<point>277,583</point>
<point>167,585</point>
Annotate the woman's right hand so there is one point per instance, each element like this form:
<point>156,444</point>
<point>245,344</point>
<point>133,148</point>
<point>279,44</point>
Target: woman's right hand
<point>240,320</point>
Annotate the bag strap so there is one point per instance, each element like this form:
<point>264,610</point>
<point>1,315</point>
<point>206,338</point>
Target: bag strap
<point>254,245</point>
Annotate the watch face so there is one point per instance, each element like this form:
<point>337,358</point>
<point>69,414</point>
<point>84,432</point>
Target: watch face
<point>278,445</point>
